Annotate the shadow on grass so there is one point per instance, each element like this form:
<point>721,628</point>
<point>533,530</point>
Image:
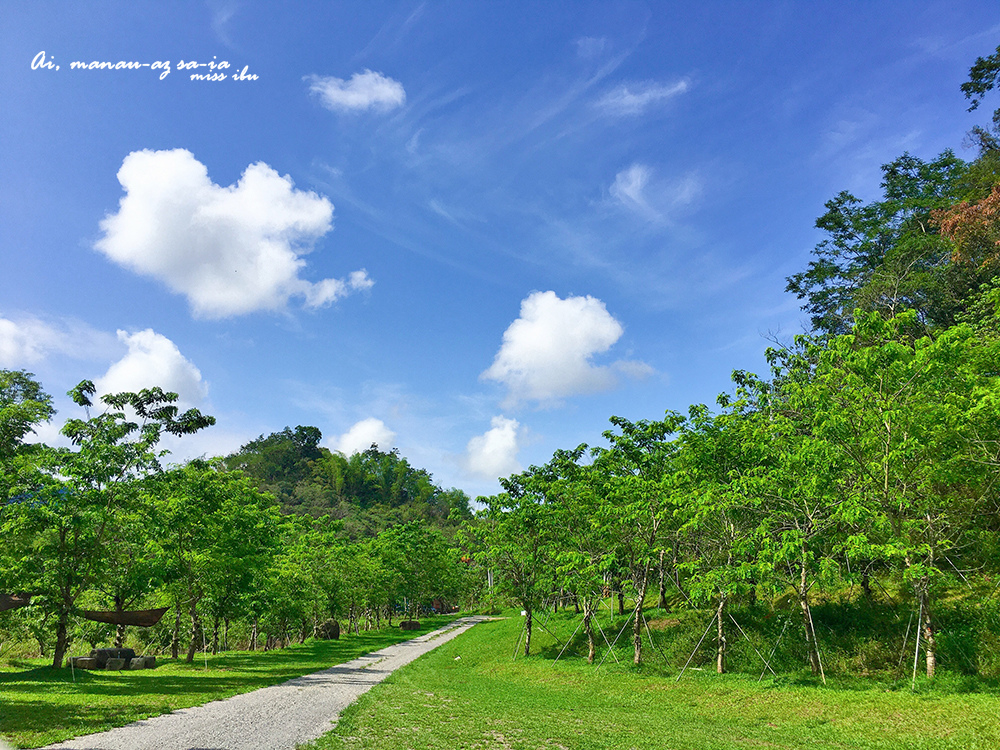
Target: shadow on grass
<point>39,704</point>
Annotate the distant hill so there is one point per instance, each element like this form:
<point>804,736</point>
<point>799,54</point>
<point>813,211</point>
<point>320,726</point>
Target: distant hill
<point>370,491</point>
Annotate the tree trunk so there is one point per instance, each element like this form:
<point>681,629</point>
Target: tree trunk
<point>637,623</point>
<point>254,633</point>
<point>195,630</point>
<point>225,636</point>
<point>591,645</point>
<point>527,628</point>
<point>720,655</point>
<point>215,635</point>
<point>621,601</point>
<point>119,629</point>
<point>175,641</point>
<point>62,639</point>
<point>662,603</point>
<point>812,650</point>
<point>928,628</point>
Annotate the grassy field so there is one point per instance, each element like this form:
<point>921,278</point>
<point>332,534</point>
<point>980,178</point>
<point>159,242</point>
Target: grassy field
<point>470,693</point>
<point>39,705</point>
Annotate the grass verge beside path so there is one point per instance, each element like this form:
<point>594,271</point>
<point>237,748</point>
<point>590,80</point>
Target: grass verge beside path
<point>39,705</point>
<point>469,693</point>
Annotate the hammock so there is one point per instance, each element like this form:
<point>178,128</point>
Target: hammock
<point>142,618</point>
<point>13,601</point>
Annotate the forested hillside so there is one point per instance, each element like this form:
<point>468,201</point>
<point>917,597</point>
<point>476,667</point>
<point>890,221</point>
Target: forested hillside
<point>370,491</point>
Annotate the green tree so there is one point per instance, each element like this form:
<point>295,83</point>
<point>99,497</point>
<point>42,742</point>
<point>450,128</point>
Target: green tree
<point>217,531</point>
<point>716,521</point>
<point>906,415</point>
<point>23,404</point>
<point>637,471</point>
<point>75,506</point>
<point>513,536</point>
<point>888,255</point>
<point>422,564</point>
<point>791,486</point>
<point>583,545</point>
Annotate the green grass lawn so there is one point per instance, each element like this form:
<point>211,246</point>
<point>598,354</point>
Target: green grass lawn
<point>39,705</point>
<point>470,693</point>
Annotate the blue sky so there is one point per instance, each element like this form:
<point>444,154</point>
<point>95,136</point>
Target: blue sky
<point>470,231</point>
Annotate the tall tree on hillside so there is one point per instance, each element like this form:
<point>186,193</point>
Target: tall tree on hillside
<point>583,545</point>
<point>904,415</point>
<point>974,228</point>
<point>793,490</point>
<point>513,536</point>
<point>279,461</point>
<point>636,472</point>
<point>716,520</point>
<point>983,79</point>
<point>887,255</point>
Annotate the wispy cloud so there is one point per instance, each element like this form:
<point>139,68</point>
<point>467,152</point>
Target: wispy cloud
<point>393,32</point>
<point>589,46</point>
<point>656,201</point>
<point>635,98</point>
<point>364,91</point>
<point>222,13</point>
<point>630,185</point>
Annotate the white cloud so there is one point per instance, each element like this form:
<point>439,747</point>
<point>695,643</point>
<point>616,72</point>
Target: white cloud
<point>230,250</point>
<point>220,439</point>
<point>634,188</point>
<point>629,187</point>
<point>494,453</point>
<point>361,436</point>
<point>221,16</point>
<point>546,353</point>
<point>367,90</point>
<point>635,98</point>
<point>153,360</point>
<point>29,340</point>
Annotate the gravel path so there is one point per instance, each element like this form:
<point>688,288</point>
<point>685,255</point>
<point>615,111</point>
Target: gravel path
<point>272,718</point>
